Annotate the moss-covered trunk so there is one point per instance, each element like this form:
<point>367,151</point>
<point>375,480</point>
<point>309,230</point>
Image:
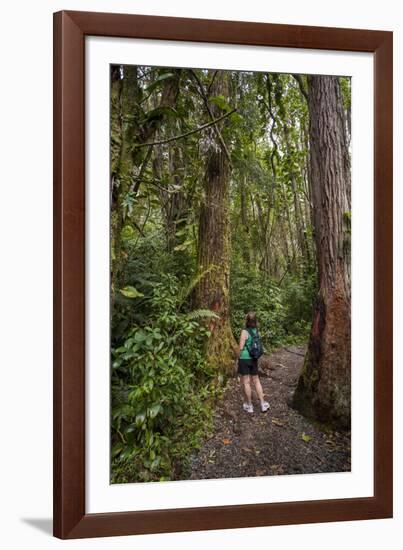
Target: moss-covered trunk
<point>323,390</point>
<point>212,291</point>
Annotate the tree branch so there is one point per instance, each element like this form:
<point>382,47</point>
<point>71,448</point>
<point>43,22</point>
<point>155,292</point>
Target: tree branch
<point>199,129</point>
<point>204,97</point>
<point>301,85</point>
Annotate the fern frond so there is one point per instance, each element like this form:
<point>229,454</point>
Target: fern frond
<point>185,291</point>
<point>202,313</point>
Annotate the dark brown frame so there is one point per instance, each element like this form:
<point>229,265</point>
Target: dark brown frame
<point>70,518</point>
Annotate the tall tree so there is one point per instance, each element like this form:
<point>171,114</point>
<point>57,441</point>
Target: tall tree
<point>212,291</point>
<point>323,390</point>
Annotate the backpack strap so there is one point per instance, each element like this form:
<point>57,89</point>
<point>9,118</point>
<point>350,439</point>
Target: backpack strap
<point>251,335</point>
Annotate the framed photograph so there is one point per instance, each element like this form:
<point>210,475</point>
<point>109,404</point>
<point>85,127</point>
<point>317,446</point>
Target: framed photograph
<point>222,274</point>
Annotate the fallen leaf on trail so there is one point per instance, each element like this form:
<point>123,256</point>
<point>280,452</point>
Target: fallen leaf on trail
<point>257,452</point>
<point>305,437</point>
<point>277,422</point>
<point>227,441</point>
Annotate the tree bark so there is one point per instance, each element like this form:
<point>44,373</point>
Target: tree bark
<point>245,222</point>
<point>212,291</point>
<point>323,390</point>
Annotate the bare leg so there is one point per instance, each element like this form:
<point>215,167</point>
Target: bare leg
<point>247,388</point>
<point>258,387</point>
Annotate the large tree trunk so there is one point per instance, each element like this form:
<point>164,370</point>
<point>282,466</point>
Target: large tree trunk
<point>323,390</point>
<point>212,291</point>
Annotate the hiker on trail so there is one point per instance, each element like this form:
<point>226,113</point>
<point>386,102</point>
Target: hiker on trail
<point>250,349</point>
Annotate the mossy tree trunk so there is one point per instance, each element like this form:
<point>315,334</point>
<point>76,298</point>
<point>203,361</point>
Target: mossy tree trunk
<point>323,390</point>
<point>212,291</point>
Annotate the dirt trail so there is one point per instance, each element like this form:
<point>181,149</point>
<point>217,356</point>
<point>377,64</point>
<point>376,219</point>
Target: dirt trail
<point>280,441</point>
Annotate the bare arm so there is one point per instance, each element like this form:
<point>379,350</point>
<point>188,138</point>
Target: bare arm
<point>242,340</point>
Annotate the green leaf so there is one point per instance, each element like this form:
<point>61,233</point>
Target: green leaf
<point>154,410</point>
<point>184,245</point>
<point>130,292</point>
<point>139,336</point>
<point>220,101</point>
<point>305,437</point>
<point>127,232</point>
<point>140,418</point>
<point>116,449</point>
<point>236,117</point>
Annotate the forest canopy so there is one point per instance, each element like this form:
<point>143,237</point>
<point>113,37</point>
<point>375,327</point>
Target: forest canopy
<point>214,212</point>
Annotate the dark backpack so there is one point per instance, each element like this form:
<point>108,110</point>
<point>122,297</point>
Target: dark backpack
<point>256,348</point>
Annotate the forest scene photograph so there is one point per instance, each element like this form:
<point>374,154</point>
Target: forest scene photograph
<point>230,240</point>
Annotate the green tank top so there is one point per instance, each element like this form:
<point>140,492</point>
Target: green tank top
<point>244,352</point>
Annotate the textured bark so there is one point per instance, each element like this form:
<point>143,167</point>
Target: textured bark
<point>212,291</point>
<point>176,204</point>
<point>118,154</point>
<point>298,215</point>
<point>244,220</point>
<point>323,390</point>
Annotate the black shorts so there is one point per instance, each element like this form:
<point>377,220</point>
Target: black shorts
<point>247,366</point>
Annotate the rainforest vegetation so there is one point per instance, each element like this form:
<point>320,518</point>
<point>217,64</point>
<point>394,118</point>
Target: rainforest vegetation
<point>230,192</point>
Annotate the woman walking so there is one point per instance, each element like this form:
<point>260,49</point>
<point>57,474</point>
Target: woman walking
<point>247,365</point>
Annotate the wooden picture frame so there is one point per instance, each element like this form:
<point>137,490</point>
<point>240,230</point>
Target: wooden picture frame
<point>70,517</point>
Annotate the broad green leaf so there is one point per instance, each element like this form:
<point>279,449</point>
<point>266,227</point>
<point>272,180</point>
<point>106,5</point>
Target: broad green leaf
<point>131,292</point>
<point>140,418</point>
<point>139,336</point>
<point>154,410</point>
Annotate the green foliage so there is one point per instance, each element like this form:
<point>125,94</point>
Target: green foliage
<point>162,384</point>
<point>131,292</point>
<point>345,85</point>
<point>284,311</point>
<point>160,389</point>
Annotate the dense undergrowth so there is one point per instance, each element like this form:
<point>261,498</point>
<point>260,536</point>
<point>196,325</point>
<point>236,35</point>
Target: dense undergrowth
<point>163,389</point>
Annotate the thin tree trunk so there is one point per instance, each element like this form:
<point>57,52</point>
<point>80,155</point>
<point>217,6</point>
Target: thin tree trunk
<point>245,222</point>
<point>323,390</point>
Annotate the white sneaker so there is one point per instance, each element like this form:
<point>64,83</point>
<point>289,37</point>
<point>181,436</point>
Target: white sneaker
<point>265,406</point>
<point>248,408</point>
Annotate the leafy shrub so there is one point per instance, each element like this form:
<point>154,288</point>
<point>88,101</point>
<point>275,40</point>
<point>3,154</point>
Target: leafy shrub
<point>160,389</point>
